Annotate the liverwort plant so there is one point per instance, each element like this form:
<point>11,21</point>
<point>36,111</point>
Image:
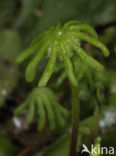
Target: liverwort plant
<point>63,42</point>
<point>40,99</point>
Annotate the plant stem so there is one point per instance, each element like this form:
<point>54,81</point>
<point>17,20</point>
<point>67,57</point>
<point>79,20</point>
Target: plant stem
<point>75,120</point>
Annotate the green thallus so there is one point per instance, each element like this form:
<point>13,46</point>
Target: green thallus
<point>61,42</point>
<point>39,100</point>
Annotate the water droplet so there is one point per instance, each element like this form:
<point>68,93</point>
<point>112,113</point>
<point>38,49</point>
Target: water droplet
<point>17,122</point>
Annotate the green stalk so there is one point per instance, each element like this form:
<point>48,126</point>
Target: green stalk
<point>75,120</point>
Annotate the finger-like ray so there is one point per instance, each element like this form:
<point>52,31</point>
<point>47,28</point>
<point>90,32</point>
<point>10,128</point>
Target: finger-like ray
<point>63,110</point>
<point>68,65</point>
<point>49,68</point>
<point>30,50</point>
<point>59,115</point>
<point>70,23</point>
<point>26,53</point>
<point>31,112</point>
<point>55,106</point>
<point>93,41</point>
<point>60,79</point>
<point>41,114</point>
<point>50,112</point>
<point>50,95</point>
<point>92,62</point>
<point>31,68</point>
<point>21,107</point>
<point>85,28</point>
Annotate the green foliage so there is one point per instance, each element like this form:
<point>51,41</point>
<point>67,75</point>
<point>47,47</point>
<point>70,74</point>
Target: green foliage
<point>44,99</point>
<point>6,148</point>
<point>61,41</point>
<point>8,67</point>
<point>97,82</point>
<point>96,146</point>
<point>86,75</point>
<point>86,128</point>
<point>80,69</point>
